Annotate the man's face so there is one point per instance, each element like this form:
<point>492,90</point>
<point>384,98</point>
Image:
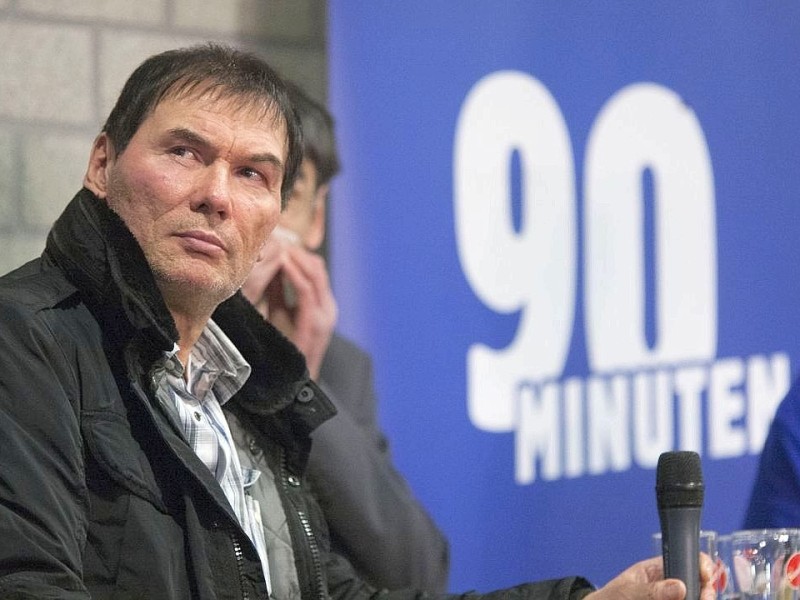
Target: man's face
<point>199,187</point>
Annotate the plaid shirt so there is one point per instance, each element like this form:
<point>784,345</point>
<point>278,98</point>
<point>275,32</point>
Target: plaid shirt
<point>216,371</point>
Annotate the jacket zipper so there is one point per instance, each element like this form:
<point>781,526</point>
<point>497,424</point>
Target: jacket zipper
<point>237,551</point>
<point>307,530</point>
<point>315,558</point>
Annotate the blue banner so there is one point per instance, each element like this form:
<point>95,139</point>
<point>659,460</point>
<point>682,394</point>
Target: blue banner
<point>566,231</point>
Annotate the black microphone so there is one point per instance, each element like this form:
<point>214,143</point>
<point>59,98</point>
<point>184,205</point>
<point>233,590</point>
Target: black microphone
<point>679,492</point>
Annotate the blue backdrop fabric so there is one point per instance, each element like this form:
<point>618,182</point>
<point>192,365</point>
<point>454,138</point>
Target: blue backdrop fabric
<point>566,233</point>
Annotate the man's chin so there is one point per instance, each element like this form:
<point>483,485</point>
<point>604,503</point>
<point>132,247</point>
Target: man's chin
<point>195,288</point>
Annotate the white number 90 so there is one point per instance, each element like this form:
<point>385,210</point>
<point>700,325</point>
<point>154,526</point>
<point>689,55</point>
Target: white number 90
<point>644,126</point>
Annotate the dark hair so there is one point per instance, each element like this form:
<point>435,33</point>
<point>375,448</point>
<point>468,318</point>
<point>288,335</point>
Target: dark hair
<point>221,70</point>
<point>319,144</point>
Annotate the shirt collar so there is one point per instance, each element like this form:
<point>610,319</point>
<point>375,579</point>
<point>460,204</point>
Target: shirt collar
<point>214,361</point>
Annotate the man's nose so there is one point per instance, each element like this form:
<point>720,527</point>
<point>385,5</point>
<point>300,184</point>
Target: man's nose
<point>213,194</point>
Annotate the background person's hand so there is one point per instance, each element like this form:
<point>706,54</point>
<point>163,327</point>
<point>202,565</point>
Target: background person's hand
<point>267,268</point>
<point>302,305</point>
<point>289,286</point>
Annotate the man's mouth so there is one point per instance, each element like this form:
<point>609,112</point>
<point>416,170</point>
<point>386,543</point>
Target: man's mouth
<point>203,242</point>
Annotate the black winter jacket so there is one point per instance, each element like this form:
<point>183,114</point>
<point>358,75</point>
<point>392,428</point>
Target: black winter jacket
<point>100,495</point>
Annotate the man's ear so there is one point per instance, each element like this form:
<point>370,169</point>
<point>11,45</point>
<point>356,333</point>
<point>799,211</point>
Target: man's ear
<point>100,159</point>
<point>316,232</point>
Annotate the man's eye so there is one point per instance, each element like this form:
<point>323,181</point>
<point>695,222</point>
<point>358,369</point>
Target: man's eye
<point>181,151</point>
<point>251,173</point>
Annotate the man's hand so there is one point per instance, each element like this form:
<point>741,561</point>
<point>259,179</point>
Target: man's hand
<point>645,581</point>
<point>289,286</point>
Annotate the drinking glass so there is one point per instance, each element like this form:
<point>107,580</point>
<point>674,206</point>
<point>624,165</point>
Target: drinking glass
<point>766,564</point>
<point>723,577</point>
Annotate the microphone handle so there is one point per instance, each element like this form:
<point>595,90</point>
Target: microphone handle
<point>680,545</point>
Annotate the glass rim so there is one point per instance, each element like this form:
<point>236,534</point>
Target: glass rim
<point>772,533</point>
<point>703,533</point>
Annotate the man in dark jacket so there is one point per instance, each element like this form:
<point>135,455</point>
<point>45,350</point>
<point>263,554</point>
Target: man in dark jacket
<point>375,520</point>
<point>120,345</point>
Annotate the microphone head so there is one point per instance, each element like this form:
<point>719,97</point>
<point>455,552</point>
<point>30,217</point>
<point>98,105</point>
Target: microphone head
<point>679,480</point>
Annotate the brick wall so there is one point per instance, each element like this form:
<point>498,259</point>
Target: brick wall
<point>62,63</point>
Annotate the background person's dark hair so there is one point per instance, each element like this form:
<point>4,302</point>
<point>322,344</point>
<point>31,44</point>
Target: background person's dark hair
<point>224,71</point>
<point>319,143</point>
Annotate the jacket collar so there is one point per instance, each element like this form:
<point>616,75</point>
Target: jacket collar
<point>279,377</point>
<point>95,249</point>
<point>100,256</point>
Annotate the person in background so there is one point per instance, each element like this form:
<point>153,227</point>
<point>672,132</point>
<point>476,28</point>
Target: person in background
<point>775,497</point>
<point>374,518</point>
<point>130,362</point>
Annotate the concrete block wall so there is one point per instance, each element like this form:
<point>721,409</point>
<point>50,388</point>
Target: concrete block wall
<point>63,62</point>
